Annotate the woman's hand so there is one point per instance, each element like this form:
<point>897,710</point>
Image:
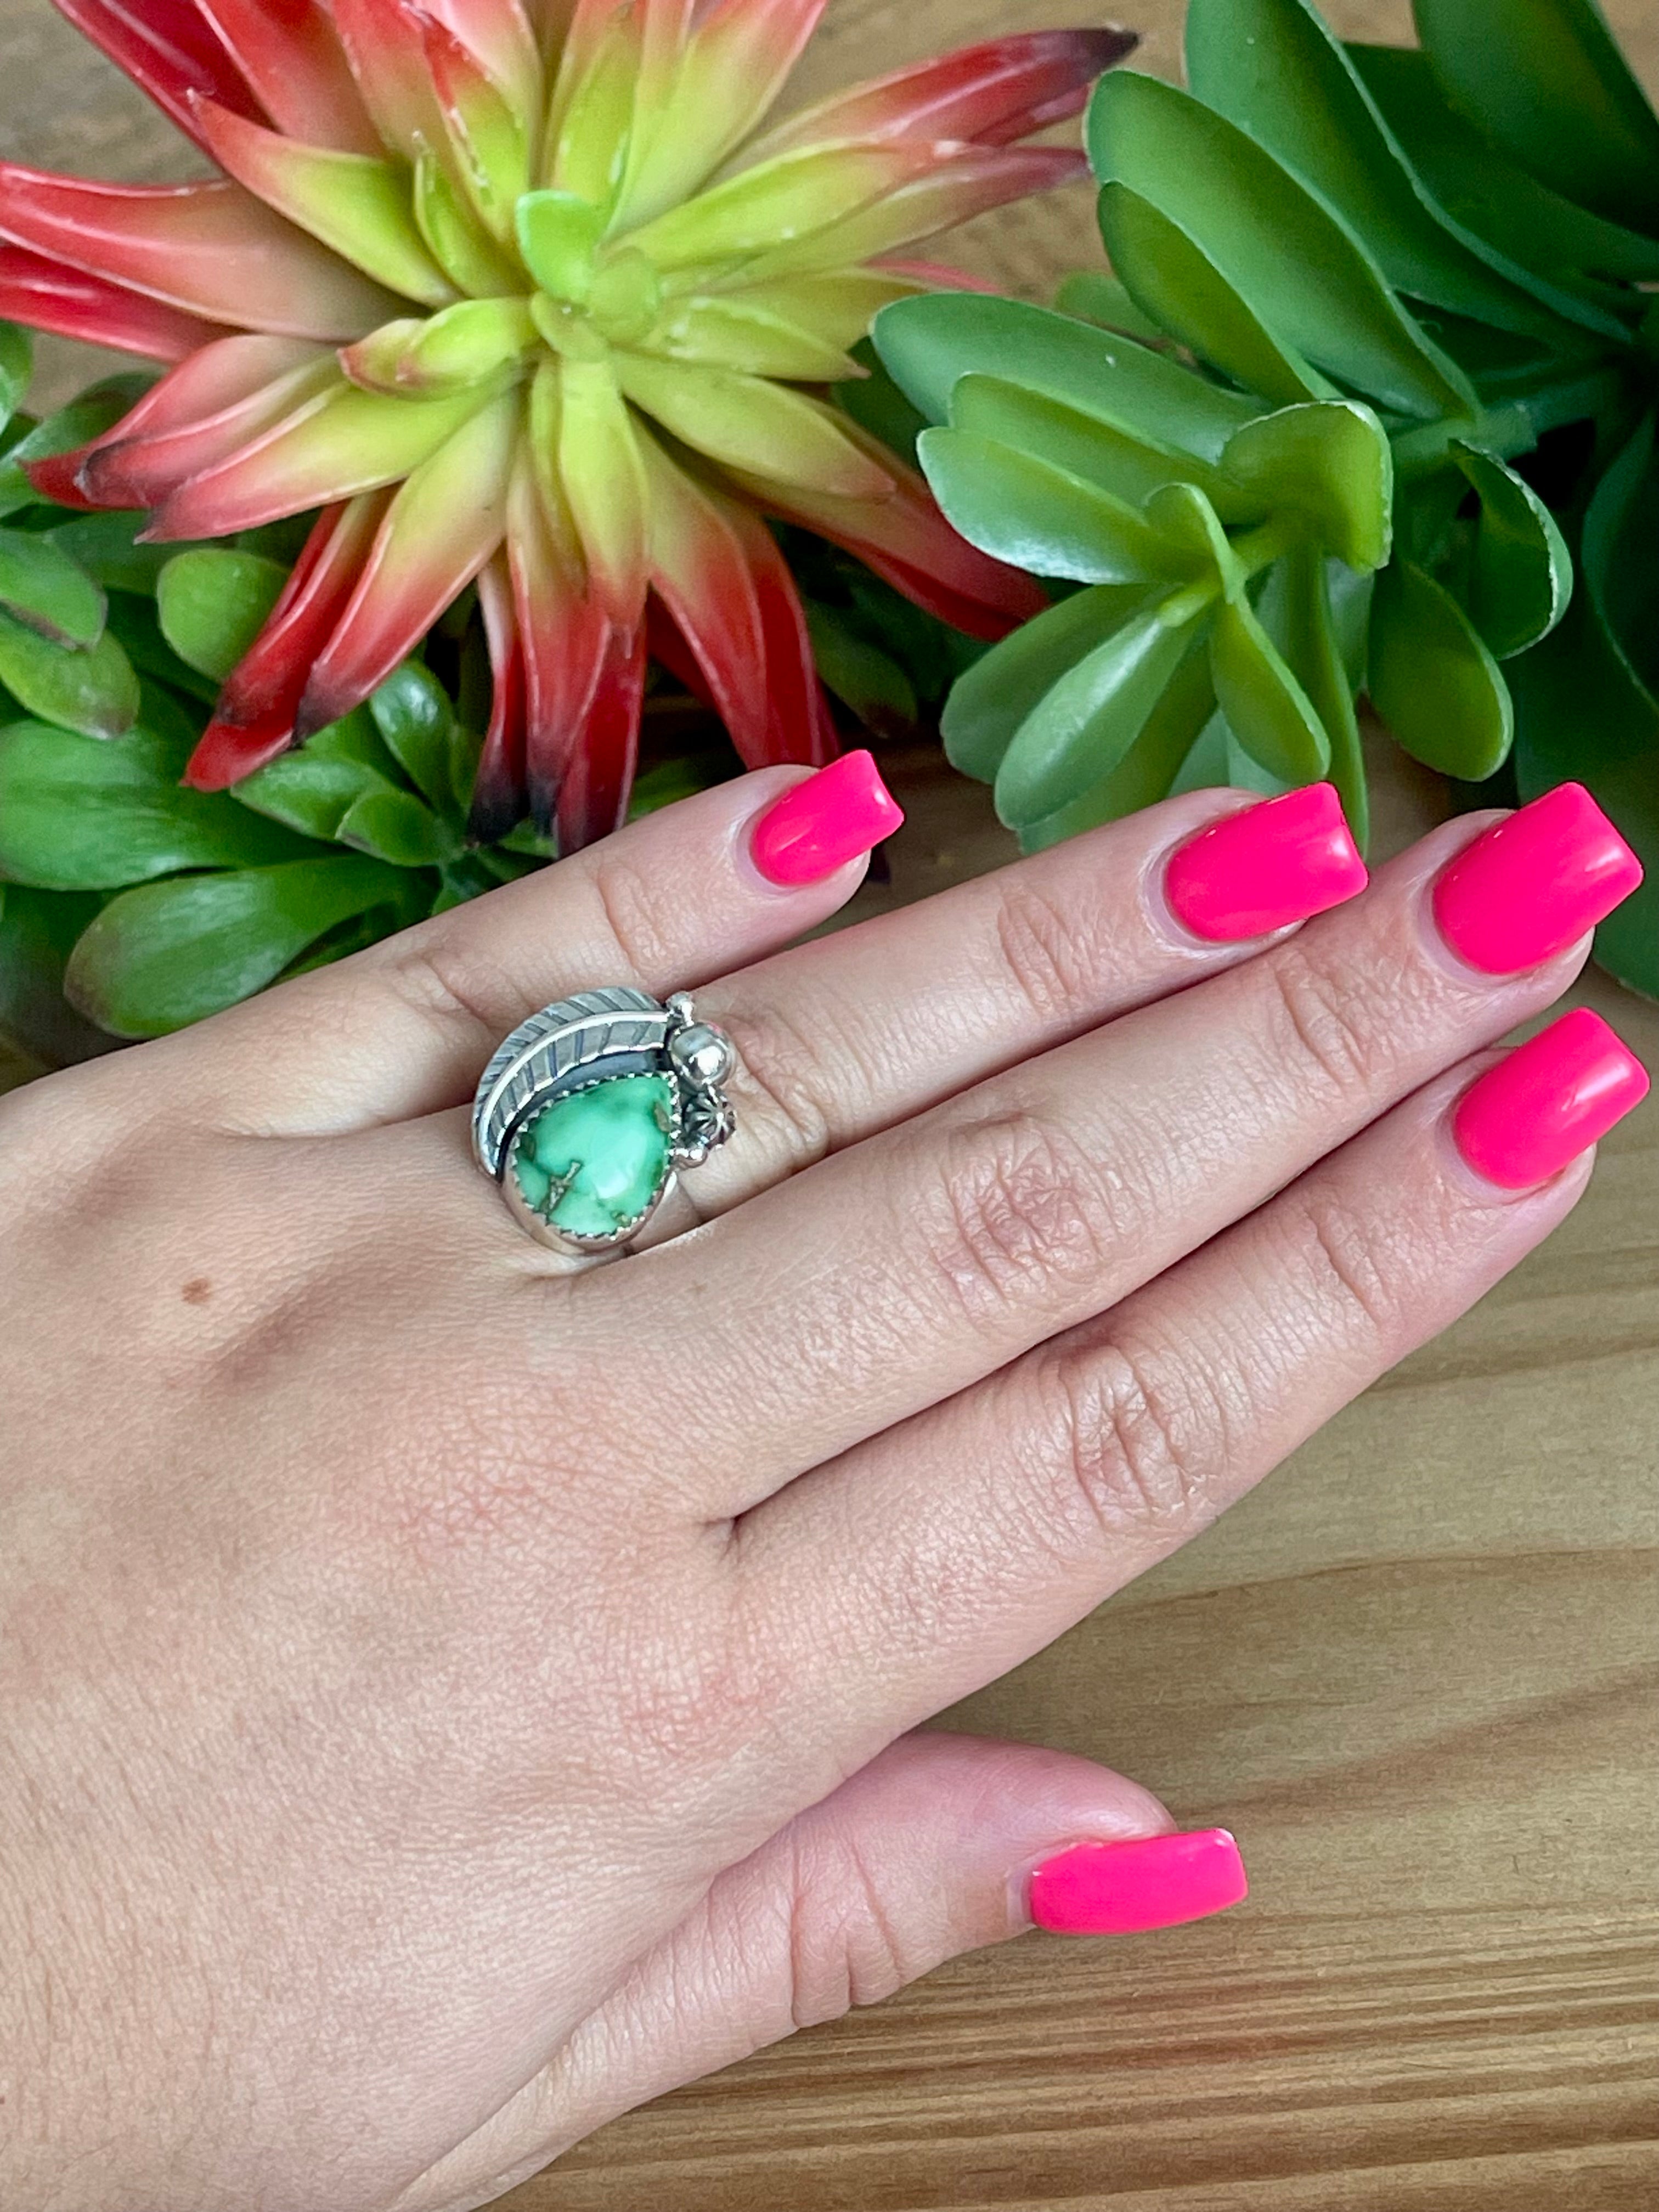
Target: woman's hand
<point>450,1693</point>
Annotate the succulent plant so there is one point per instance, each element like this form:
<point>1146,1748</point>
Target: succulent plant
<point>516,294</point>
<point>1369,388</point>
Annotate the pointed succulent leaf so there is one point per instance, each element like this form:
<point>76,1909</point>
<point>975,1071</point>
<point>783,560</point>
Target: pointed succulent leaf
<point>751,424</point>
<point>1264,705</point>
<point>163,955</point>
<point>1493,196</point>
<point>1520,573</point>
<point>1038,517</point>
<point>738,333</point>
<point>412,713</point>
<point>1145,773</point>
<point>1272,238</point>
<point>1433,679</point>
<point>1130,468</point>
<point>292,60</point>
<point>78,813</point>
<point>789,197</point>
<point>474,263</point>
<point>351,203</point>
<point>86,416</point>
<point>987,704</point>
<point>558,236</point>
<point>46,293</point>
<point>212,603</point>
<point>928,342</point>
<point>591,126</point>
<point>601,473</point>
<point>1086,723</point>
<point>1329,462</point>
<point>1545,82</point>
<point>1180,288</point>
<point>44,588</point>
<point>1275,69</point>
<point>469,343</point>
<point>92,690</point>
<point>488,137</point>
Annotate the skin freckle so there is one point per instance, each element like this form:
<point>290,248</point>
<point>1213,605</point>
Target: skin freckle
<point>197,1291</point>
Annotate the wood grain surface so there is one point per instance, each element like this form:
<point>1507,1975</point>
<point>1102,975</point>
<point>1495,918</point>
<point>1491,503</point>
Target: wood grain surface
<point>1415,1671</point>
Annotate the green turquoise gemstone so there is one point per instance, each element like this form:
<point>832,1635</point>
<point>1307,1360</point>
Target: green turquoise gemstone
<point>592,1164</point>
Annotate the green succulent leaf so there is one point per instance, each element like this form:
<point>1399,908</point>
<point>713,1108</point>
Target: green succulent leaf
<point>1085,724</point>
<point>1038,517</point>
<point>1144,774</point>
<point>1296,610</point>
<point>1494,197</point>
<point>1274,68</point>
<point>43,588</point>
<point>38,929</point>
<point>1545,82</point>
<point>1272,240</point>
<point>1265,707</point>
<point>1095,296</point>
<point>868,680</point>
<point>166,954</point>
<point>1433,680</point>
<point>212,603</point>
<point>87,416</point>
<point>1130,468</point>
<point>988,703</point>
<point>308,790</point>
<point>1328,462</point>
<point>80,813</point>
<point>1184,293</point>
<point>412,713</point>
<point>929,341</point>
<point>16,366</point>
<point>133,625</point>
<point>1580,715</point>
<point>1520,577</point>
<point>876,405</point>
<point>104,546</point>
<point>92,689</point>
<point>398,827</point>
<point>1620,559</point>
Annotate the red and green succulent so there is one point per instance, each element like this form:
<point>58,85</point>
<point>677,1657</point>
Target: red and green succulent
<point>517,294</point>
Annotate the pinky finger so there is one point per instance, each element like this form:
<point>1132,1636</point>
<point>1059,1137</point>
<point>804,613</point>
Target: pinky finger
<point>943,1844</point>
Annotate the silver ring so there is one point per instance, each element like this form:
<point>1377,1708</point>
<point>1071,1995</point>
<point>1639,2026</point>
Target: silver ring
<point>588,1111</point>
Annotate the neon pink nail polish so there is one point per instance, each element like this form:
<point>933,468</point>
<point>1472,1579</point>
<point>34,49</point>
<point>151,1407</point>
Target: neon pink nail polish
<point>1276,863</point>
<point>1524,1119</point>
<point>822,823</point>
<point>1153,1881</point>
<point>1533,884</point>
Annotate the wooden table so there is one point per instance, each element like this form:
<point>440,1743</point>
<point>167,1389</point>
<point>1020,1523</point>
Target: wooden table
<point>1415,1671</point>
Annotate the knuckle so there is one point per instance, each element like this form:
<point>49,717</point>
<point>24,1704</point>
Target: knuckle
<point>637,918</point>
<point>1319,1020</point>
<point>1019,1205</point>
<point>782,1085</point>
<point>1054,958</point>
<point>452,989</point>
<point>845,1947</point>
<point>1350,1257</point>
<point>1127,1455</point>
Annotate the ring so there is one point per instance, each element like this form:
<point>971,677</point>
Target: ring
<point>588,1111</point>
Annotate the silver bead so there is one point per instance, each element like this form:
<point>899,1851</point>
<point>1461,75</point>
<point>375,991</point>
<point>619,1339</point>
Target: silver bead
<point>702,1053</point>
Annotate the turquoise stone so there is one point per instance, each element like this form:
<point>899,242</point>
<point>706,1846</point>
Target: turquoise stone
<point>591,1164</point>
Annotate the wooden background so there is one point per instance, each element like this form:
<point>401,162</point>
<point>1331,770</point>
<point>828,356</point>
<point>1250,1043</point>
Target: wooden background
<point>1415,1671</point>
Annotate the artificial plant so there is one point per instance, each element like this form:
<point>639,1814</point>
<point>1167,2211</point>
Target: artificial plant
<point>1366,403</point>
<point>523,295</point>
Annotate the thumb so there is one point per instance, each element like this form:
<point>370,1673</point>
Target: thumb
<point>943,1844</point>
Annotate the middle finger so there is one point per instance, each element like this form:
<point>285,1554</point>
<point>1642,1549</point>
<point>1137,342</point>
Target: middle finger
<point>908,1267</point>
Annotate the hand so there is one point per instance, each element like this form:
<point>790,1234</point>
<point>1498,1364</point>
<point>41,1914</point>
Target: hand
<point>450,1693</point>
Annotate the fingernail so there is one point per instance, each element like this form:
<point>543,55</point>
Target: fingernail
<point>822,823</point>
<point>1276,863</point>
<point>1524,1119</point>
<point>1151,1882</point>
<point>1532,885</point>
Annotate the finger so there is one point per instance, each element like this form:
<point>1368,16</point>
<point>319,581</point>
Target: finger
<point>905,1268</point>
<point>845,1037</point>
<point>926,1853</point>
<point>935,1558</point>
<point>404,1028</point>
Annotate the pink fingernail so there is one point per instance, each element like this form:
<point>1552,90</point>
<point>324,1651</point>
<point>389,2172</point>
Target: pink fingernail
<point>1153,1881</point>
<point>1253,872</point>
<point>822,823</point>
<point>1533,884</point>
<point>1524,1119</point>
